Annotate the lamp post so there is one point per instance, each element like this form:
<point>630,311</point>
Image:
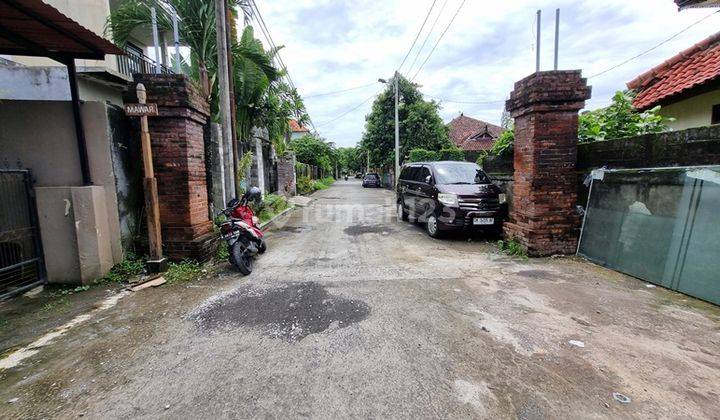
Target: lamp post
<point>397,125</point>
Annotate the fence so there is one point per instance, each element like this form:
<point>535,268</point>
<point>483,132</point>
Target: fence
<point>308,171</point>
<point>134,62</point>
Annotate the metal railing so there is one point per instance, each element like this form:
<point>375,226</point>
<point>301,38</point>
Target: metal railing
<point>132,63</point>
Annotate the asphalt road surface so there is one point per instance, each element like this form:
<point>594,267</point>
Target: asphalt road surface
<point>351,313</point>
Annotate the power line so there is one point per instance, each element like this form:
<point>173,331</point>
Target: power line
<point>427,36</point>
<point>465,102</point>
<point>348,111</point>
<point>439,39</point>
<point>418,34</point>
<point>653,48</point>
<point>268,37</point>
<point>340,91</point>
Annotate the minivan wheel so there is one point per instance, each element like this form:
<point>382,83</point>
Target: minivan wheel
<point>432,226</point>
<point>401,213</point>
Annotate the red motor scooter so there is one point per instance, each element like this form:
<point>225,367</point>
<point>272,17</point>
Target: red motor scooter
<point>241,232</point>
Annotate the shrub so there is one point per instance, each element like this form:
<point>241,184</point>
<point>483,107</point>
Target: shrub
<point>422,155</point>
<point>512,247</point>
<point>452,153</point>
<point>503,146</point>
<point>305,185</point>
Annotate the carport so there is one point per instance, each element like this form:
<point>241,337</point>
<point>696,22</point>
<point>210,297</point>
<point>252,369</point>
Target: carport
<point>33,28</point>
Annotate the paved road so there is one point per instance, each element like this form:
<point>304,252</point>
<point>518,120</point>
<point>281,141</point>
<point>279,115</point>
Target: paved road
<point>353,314</point>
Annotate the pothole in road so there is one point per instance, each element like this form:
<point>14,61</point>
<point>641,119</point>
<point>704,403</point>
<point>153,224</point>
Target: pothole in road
<point>357,230</point>
<point>292,229</point>
<point>535,274</point>
<point>290,312</point>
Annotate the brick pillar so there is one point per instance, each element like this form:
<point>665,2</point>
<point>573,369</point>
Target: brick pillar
<point>545,106</point>
<point>179,157</point>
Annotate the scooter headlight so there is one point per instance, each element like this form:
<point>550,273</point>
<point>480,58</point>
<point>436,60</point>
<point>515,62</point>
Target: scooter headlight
<point>255,220</point>
<point>448,199</point>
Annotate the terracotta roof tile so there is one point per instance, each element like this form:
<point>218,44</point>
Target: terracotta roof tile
<point>472,135</point>
<point>697,65</point>
<point>297,128</point>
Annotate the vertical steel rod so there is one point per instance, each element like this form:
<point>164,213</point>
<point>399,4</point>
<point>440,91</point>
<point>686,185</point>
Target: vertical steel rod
<point>156,43</point>
<point>557,36</point>
<point>176,39</point>
<point>537,43</point>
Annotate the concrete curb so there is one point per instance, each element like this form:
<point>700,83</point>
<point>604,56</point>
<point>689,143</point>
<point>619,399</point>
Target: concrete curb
<point>263,225</point>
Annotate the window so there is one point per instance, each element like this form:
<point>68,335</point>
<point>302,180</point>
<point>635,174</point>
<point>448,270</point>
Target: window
<point>422,174</point>
<point>715,119</point>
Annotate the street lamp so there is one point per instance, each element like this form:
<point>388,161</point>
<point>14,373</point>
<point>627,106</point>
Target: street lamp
<point>397,125</point>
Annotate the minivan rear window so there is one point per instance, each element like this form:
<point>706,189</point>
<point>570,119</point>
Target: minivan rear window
<point>460,173</point>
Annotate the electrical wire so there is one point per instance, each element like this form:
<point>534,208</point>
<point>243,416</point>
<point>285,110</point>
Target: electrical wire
<point>268,37</point>
<point>339,91</point>
<point>418,34</point>
<point>655,47</point>
<point>439,39</point>
<point>465,101</point>
<point>322,124</point>
<point>427,36</point>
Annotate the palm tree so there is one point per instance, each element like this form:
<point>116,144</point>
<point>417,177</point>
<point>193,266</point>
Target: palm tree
<point>196,30</point>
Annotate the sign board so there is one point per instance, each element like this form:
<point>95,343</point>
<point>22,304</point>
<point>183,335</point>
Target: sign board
<point>139,110</point>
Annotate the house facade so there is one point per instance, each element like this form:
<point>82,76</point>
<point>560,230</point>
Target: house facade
<point>89,198</point>
<point>473,136</point>
<point>297,130</point>
<point>686,86</point>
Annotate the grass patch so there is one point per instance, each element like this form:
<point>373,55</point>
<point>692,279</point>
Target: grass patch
<point>55,304</point>
<point>183,271</point>
<point>305,185</point>
<point>70,291</point>
<point>512,247</point>
<point>121,272</point>
<point>223,252</point>
<point>270,207</point>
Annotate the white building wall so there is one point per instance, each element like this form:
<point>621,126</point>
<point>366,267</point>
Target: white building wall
<point>692,112</point>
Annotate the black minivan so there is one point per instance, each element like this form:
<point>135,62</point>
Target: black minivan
<point>450,196</point>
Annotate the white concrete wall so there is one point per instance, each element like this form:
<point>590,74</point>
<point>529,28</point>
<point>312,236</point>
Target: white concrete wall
<point>692,112</point>
<point>40,136</point>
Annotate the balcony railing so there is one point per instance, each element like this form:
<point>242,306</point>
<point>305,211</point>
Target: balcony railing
<point>133,63</point>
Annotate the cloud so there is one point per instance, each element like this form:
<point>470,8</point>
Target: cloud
<point>333,45</point>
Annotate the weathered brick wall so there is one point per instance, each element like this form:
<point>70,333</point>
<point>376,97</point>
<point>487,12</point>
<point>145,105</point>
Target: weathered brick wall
<point>545,106</point>
<point>286,175</point>
<point>179,158</point>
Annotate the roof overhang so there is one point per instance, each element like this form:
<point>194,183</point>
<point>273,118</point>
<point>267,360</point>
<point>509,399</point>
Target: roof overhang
<point>694,4</point>
<point>34,28</point>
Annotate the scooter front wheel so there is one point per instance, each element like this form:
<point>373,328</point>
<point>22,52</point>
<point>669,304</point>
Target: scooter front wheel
<point>241,260</point>
<point>262,247</point>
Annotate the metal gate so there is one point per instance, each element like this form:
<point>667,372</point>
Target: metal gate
<point>21,259</point>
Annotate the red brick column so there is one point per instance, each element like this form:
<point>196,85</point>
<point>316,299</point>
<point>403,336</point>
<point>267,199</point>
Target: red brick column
<point>179,157</point>
<point>545,106</point>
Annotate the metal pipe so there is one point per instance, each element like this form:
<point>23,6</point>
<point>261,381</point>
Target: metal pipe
<point>397,128</point>
<point>156,42</point>
<point>79,127</point>
<point>176,39</point>
<point>557,36</point>
<point>537,42</point>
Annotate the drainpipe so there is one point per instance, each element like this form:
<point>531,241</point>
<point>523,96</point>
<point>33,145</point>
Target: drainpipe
<point>79,127</point>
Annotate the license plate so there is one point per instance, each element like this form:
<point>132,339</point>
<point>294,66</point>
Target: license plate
<point>483,221</point>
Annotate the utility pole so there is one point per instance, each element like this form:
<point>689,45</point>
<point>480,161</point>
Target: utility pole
<point>397,128</point>
<point>224,91</point>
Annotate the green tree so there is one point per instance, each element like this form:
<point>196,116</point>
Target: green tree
<point>620,119</point>
<point>420,124</point>
<point>313,151</point>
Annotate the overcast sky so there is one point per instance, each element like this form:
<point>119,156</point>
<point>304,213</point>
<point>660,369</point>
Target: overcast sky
<point>332,45</point>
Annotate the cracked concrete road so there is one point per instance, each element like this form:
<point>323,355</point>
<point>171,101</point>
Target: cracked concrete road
<point>353,314</point>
